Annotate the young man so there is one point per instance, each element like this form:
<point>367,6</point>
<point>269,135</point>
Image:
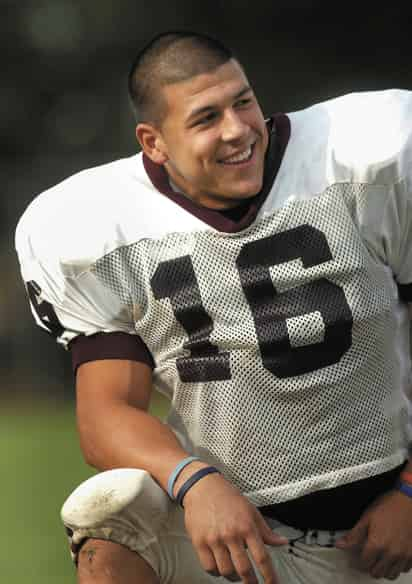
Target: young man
<point>257,273</point>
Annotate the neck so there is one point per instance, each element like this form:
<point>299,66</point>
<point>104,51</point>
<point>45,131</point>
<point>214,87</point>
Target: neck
<point>210,201</point>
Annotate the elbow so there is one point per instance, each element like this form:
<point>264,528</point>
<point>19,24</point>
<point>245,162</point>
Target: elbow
<point>90,451</point>
<point>89,454</point>
<point>90,459</point>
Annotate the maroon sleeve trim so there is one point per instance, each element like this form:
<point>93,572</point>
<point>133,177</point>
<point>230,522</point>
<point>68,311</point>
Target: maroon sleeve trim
<point>405,292</point>
<point>115,345</point>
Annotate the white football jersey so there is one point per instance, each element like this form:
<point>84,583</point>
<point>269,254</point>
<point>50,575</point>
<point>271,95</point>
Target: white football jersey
<point>283,346</point>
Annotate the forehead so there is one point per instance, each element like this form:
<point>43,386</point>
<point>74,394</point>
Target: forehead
<point>213,88</point>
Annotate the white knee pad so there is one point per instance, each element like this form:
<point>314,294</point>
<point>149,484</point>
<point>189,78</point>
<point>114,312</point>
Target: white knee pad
<point>118,492</point>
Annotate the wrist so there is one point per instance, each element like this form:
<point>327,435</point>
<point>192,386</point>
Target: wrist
<point>197,476</point>
<point>405,488</point>
<point>186,473</point>
<point>406,477</point>
<point>174,475</point>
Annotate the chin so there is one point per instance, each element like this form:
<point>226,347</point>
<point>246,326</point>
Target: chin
<point>249,190</point>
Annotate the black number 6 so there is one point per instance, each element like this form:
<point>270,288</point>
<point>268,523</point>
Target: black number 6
<point>271,309</point>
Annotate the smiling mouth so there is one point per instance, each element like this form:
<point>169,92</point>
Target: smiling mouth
<point>240,158</point>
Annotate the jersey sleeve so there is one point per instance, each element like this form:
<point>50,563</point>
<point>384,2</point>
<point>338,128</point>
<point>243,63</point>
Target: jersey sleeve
<point>70,303</point>
<point>397,236</point>
<point>384,216</point>
<point>372,147</point>
<point>69,306</point>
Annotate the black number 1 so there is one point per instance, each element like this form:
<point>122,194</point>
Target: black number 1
<point>176,280</point>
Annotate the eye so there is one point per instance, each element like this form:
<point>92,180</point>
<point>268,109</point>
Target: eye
<point>243,102</point>
<point>206,119</point>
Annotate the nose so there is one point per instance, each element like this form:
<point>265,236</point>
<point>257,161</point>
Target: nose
<point>233,127</point>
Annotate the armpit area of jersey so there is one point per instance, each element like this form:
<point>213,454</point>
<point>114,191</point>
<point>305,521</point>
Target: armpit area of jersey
<point>116,345</point>
<point>405,292</point>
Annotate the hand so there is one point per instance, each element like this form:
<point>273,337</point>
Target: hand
<point>222,525</point>
<point>382,537</point>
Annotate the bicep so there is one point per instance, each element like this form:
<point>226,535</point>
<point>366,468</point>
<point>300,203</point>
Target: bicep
<point>113,396</point>
<point>103,383</point>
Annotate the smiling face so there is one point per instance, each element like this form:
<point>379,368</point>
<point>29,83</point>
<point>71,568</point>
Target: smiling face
<point>213,137</point>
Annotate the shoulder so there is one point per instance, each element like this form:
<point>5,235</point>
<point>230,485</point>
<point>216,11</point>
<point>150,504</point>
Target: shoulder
<point>363,110</point>
<point>366,136</point>
<point>87,215</point>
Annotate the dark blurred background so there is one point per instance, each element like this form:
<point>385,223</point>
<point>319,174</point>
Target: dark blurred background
<point>63,107</point>
<point>63,103</point>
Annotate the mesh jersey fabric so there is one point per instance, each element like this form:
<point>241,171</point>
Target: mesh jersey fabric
<point>284,346</point>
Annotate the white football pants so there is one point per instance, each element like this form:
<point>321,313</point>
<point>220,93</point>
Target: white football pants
<point>127,506</point>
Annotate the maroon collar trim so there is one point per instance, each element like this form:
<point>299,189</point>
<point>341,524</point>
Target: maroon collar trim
<point>279,134</point>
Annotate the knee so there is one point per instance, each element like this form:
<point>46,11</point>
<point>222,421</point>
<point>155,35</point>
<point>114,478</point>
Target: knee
<point>104,562</point>
<point>108,494</point>
<point>95,554</point>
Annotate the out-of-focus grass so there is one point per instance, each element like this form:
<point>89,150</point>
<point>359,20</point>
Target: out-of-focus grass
<point>41,464</point>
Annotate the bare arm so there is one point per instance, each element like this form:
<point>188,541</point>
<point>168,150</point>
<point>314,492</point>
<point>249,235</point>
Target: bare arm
<point>117,431</point>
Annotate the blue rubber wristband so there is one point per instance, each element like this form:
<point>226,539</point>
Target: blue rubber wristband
<point>176,472</point>
<point>192,480</point>
<point>405,489</point>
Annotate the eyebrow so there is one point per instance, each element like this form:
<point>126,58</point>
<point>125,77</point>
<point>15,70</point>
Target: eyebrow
<point>212,107</point>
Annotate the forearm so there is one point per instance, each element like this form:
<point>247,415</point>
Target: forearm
<point>115,428</point>
<point>129,438</point>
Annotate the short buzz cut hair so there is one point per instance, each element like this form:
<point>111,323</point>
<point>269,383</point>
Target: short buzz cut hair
<point>168,58</point>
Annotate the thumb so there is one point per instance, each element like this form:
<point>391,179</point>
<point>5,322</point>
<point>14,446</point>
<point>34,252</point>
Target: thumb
<point>355,537</point>
<point>270,537</point>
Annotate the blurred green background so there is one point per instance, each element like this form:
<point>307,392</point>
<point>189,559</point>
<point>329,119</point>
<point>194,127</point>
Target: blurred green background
<point>64,107</point>
<point>43,465</point>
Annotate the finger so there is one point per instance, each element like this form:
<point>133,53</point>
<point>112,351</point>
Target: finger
<point>269,536</point>
<point>207,560</point>
<point>242,563</point>
<point>236,578</point>
<point>399,567</point>
<point>224,562</point>
<point>385,569</point>
<point>370,557</point>
<point>262,559</point>
<point>395,571</point>
<point>355,538</point>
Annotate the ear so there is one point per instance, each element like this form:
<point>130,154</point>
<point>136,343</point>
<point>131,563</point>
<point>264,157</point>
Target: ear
<point>152,143</point>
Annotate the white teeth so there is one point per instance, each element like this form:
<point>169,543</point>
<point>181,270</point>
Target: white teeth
<point>240,157</point>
